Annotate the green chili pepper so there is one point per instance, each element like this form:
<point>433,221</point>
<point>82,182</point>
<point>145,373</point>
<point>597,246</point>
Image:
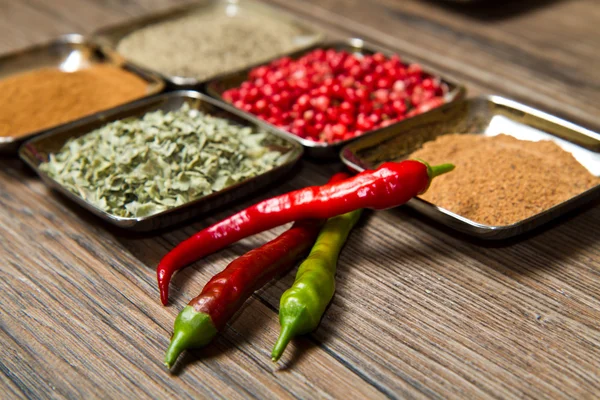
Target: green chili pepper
<point>302,306</point>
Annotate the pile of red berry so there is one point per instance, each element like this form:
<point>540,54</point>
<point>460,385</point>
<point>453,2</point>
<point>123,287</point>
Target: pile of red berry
<point>329,95</point>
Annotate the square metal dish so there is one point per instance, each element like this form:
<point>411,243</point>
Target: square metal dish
<point>217,86</point>
<point>111,36</point>
<point>69,53</point>
<point>36,151</point>
<point>490,116</point>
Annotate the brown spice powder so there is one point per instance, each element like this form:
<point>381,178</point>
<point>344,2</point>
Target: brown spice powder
<point>47,97</point>
<point>501,180</point>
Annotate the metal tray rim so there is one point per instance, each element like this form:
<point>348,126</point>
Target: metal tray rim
<point>495,231</point>
<point>128,222</point>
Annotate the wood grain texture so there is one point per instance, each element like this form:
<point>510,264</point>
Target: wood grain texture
<point>419,312</point>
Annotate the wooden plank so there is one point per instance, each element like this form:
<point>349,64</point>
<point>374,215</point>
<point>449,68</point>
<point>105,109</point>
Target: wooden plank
<point>419,311</point>
<point>81,318</point>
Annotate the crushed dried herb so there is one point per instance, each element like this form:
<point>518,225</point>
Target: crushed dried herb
<point>139,167</point>
<point>47,97</point>
<point>501,180</point>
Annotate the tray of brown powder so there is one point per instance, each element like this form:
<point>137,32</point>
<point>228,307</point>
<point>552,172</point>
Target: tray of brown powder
<point>516,167</point>
<point>51,84</point>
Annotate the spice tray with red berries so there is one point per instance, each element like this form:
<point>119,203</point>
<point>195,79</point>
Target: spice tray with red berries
<point>330,94</point>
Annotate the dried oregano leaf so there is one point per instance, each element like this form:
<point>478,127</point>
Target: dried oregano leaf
<point>140,167</point>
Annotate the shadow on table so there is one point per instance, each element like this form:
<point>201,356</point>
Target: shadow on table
<point>498,254</point>
<point>492,10</point>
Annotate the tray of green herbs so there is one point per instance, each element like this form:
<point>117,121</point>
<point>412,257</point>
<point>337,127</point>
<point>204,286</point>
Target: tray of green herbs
<point>159,161</point>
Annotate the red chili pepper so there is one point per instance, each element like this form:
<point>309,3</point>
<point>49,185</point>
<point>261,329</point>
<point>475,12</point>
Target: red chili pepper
<point>225,293</point>
<point>392,184</point>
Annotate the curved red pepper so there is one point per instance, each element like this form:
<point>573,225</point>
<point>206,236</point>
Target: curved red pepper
<point>205,315</point>
<point>392,184</point>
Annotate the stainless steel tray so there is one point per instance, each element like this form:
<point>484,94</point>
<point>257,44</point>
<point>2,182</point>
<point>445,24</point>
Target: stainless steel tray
<point>487,115</point>
<point>111,36</point>
<point>217,86</point>
<point>37,150</point>
<point>70,53</point>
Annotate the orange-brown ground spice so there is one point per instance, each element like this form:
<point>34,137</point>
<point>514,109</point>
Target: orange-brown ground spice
<point>47,97</point>
<point>501,180</point>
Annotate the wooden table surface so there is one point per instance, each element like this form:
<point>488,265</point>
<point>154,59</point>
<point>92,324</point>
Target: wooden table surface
<point>419,311</point>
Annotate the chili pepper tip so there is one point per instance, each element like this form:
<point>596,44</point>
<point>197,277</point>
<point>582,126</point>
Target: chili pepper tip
<point>163,277</point>
<point>287,332</point>
<point>192,330</point>
<point>174,350</point>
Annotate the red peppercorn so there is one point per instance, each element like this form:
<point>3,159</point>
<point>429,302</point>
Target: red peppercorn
<point>383,83</point>
<point>259,72</point>
<point>308,115</point>
<point>346,119</point>
<point>374,118</point>
<point>379,58</point>
<point>346,106</point>
<point>369,80</point>
<point>399,106</point>
<point>332,114</point>
<point>382,96</point>
<point>339,130</point>
<point>320,118</point>
<point>361,94</point>
<point>365,108</point>
<point>364,124</point>
<point>356,71</point>
<point>320,103</point>
<point>260,105</point>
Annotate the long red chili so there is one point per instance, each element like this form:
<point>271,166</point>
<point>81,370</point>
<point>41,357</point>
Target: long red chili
<point>205,315</point>
<point>390,185</point>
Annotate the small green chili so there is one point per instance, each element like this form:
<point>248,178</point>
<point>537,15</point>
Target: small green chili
<point>302,306</point>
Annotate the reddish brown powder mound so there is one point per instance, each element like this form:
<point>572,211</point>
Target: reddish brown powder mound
<point>46,97</point>
<point>501,180</point>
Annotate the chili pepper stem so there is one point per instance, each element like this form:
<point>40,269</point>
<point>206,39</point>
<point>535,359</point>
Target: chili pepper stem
<point>287,333</point>
<point>434,171</point>
<point>192,330</point>
<point>438,170</point>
